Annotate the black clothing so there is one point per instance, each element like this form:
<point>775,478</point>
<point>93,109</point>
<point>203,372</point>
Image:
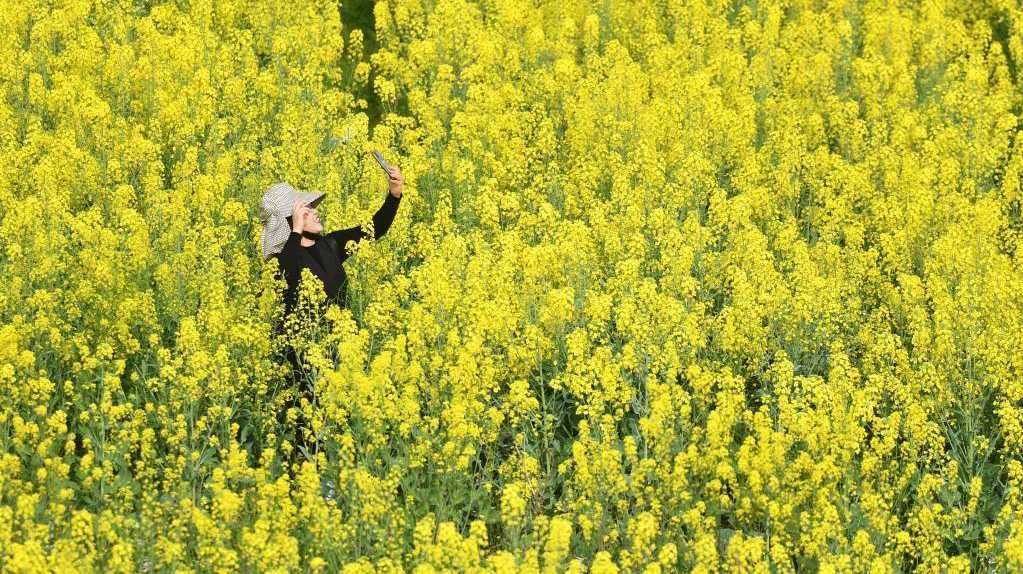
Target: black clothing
<point>324,258</point>
<point>317,255</point>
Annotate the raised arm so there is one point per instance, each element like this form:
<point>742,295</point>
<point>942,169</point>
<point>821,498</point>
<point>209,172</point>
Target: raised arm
<point>382,220</point>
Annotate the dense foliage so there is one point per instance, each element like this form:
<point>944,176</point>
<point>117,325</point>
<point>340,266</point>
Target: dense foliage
<point>675,285</point>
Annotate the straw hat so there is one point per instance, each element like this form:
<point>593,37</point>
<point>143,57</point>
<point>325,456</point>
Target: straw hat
<point>277,203</point>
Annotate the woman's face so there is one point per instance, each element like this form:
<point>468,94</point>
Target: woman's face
<point>313,224</point>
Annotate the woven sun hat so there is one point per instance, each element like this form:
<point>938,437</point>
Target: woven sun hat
<point>277,203</point>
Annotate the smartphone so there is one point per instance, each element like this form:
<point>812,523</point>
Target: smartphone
<point>383,164</point>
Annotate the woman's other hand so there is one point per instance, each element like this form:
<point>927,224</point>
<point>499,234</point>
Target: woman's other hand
<point>299,211</point>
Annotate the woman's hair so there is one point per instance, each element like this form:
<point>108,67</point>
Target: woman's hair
<point>291,223</point>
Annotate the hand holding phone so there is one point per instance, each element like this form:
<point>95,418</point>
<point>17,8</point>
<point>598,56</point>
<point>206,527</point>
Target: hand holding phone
<point>394,180</point>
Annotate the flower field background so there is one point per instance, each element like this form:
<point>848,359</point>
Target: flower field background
<point>676,285</point>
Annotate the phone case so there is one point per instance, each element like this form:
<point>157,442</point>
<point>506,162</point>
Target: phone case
<point>380,160</point>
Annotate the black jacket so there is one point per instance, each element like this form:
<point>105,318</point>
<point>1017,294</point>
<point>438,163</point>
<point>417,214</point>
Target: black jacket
<point>324,258</point>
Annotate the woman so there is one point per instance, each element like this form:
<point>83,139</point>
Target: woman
<point>293,234</point>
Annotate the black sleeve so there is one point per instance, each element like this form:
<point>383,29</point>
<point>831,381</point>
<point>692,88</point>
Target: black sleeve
<point>289,255</point>
<point>289,262</point>
<point>381,223</point>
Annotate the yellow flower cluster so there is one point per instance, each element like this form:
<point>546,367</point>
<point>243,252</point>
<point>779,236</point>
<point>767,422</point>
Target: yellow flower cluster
<point>674,287</point>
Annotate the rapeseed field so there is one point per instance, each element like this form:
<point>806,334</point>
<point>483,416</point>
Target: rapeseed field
<point>675,286</point>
